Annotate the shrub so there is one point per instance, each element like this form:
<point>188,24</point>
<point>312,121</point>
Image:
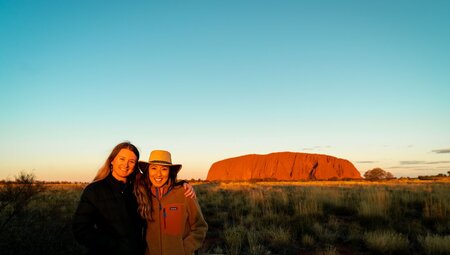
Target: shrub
<point>323,233</point>
<point>329,251</point>
<point>307,240</point>
<point>374,203</point>
<point>234,237</point>
<point>277,236</point>
<point>378,174</point>
<point>435,244</point>
<point>43,225</point>
<point>15,196</point>
<point>435,208</point>
<point>386,241</point>
<point>255,241</point>
<point>308,207</point>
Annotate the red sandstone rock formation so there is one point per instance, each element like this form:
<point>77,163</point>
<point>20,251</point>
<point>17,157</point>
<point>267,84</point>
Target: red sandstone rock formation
<point>283,166</point>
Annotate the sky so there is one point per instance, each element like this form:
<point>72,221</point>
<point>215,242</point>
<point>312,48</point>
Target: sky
<point>367,81</point>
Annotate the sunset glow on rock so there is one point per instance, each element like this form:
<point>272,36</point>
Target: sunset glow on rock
<point>283,166</point>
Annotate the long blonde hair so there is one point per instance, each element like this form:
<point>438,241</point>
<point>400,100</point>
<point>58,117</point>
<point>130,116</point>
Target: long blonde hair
<point>106,168</point>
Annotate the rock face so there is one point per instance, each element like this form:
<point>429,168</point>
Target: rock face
<point>283,166</point>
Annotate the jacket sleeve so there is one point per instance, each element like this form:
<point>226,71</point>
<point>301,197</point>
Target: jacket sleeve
<point>85,225</point>
<point>198,227</point>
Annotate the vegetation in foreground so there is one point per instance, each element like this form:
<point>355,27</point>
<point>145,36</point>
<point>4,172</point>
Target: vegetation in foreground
<point>259,218</point>
<point>327,218</point>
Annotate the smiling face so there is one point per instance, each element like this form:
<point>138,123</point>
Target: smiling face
<point>123,164</point>
<point>158,174</point>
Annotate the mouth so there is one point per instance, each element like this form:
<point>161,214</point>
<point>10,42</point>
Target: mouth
<point>158,179</point>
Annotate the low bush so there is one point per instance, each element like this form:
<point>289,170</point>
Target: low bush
<point>386,242</point>
<point>435,244</point>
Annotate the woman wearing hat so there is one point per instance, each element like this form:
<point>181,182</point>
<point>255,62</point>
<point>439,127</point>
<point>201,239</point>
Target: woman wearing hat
<point>106,220</point>
<point>175,223</point>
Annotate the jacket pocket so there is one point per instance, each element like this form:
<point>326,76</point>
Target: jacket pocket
<point>172,219</point>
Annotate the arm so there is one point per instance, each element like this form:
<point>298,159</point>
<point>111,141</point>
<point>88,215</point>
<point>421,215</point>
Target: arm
<point>198,227</point>
<point>85,225</point>
<point>189,190</point>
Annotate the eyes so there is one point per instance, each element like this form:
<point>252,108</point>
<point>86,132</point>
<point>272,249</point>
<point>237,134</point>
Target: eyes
<point>123,159</point>
<point>162,168</point>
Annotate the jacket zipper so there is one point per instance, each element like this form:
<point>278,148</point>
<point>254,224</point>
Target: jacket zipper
<point>164,216</point>
<point>160,232</point>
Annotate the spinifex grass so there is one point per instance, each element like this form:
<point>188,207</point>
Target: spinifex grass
<point>435,244</point>
<point>273,218</point>
<point>356,218</point>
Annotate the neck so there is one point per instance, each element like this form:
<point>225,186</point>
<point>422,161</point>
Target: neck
<point>121,179</point>
<point>159,192</point>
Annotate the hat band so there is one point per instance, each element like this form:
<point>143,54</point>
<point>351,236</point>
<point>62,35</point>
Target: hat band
<point>160,162</point>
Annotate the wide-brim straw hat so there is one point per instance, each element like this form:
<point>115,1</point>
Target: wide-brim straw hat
<point>159,157</point>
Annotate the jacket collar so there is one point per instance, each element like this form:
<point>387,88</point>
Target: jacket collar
<point>161,191</point>
<point>116,184</point>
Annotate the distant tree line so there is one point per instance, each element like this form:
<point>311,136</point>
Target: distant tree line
<point>15,181</point>
<point>380,174</point>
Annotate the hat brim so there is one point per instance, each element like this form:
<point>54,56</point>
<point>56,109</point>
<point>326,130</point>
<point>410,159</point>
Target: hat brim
<point>143,166</point>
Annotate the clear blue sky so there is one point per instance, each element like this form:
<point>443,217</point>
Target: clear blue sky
<point>368,81</point>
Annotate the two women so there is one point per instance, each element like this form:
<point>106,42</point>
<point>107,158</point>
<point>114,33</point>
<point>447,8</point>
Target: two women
<point>107,219</point>
<point>175,224</point>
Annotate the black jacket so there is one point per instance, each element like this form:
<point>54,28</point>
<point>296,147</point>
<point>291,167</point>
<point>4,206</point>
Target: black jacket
<point>106,220</point>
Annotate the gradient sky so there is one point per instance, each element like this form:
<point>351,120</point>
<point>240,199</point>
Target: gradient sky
<point>368,81</point>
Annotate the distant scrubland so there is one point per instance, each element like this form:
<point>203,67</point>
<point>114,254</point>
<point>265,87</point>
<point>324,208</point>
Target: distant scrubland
<point>324,217</point>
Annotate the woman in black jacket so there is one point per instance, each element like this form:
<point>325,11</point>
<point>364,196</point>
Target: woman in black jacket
<point>106,220</point>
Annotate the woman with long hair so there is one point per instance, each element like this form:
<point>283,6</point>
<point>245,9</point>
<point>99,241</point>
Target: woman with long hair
<point>175,223</point>
<point>107,220</point>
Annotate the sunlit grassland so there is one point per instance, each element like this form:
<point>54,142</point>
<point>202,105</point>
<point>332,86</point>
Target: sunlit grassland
<point>322,217</point>
<point>354,217</point>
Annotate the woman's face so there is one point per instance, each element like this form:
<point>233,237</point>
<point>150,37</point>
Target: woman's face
<point>123,164</point>
<point>158,174</point>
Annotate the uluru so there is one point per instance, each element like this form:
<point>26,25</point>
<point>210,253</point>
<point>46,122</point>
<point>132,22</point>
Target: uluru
<point>283,166</point>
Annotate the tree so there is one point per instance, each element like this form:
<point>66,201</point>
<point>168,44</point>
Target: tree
<point>389,175</point>
<point>378,174</point>
<point>15,196</point>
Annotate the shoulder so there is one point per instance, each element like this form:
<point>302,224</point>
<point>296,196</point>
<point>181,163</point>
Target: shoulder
<point>178,188</point>
<point>95,187</point>
<point>178,191</point>
<point>177,194</point>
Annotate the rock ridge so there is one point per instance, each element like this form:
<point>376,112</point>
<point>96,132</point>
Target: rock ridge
<point>283,166</point>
